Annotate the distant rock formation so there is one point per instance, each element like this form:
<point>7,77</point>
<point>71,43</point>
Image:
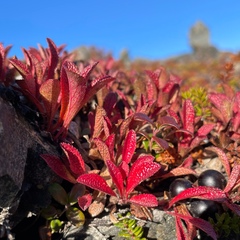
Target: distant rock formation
<point>199,37</point>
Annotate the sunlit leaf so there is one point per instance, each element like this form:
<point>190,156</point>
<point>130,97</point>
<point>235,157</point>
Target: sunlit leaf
<point>223,158</point>
<point>75,159</point>
<point>199,223</point>
<point>145,200</point>
<point>103,149</point>
<point>201,192</point>
<point>188,116</point>
<point>75,216</point>
<point>49,92</point>
<point>233,178</point>
<point>96,182</point>
<point>116,176</point>
<point>53,59</point>
<point>140,171</point>
<point>85,201</point>
<point>129,146</point>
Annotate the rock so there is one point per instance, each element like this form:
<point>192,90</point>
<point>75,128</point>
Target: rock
<point>23,172</point>
<point>199,37</point>
<point>161,228</point>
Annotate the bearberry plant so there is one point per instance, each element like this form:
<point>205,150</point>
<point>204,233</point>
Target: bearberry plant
<point>131,137</point>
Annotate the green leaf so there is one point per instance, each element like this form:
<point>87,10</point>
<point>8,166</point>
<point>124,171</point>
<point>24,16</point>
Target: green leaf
<point>77,190</point>
<point>58,193</point>
<point>75,216</point>
<point>50,212</point>
<point>56,225</point>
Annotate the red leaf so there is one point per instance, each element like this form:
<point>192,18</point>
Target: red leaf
<point>191,229</point>
<point>110,102</point>
<point>53,59</point>
<point>205,129</point>
<point>188,116</point>
<point>98,122</point>
<point>187,163</point>
<point>96,182</point>
<point>202,134</point>
<point>236,122</point>
<point>234,207</point>
<point>107,125</point>
<point>110,141</point>
<point>73,90</point>
<point>145,200</point>
<point>124,168</point>
<point>75,159</point>
<point>181,235</point>
<point>223,158</point>
<point>21,68</point>
<point>199,223</point>
<point>169,121</point>
<point>116,176</point>
<point>179,171</point>
<point>161,142</point>
<point>125,126</point>
<point>58,167</point>
<point>234,176</point>
<point>222,104</point>
<point>49,92</point>
<point>129,146</point>
<point>154,76</point>
<point>88,70</point>
<point>103,149</point>
<point>141,169</point>
<point>201,192</point>
<point>151,89</point>
<point>95,86</point>
<point>143,117</point>
<point>85,201</point>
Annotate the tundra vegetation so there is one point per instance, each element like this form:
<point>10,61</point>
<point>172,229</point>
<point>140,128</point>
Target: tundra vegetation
<point>135,135</point>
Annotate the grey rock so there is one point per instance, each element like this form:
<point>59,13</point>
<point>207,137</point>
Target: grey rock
<point>199,36</point>
<point>162,228</point>
<point>23,173</point>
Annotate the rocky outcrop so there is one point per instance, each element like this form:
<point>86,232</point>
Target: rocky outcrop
<point>199,38</point>
<point>22,171</point>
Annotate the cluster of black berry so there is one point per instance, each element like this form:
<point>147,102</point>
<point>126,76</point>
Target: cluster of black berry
<point>199,207</point>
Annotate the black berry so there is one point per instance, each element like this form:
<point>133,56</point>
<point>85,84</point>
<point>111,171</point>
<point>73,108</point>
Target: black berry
<point>178,185</point>
<point>212,178</point>
<point>204,208</point>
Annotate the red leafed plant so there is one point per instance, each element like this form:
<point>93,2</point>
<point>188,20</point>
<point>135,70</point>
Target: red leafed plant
<point>50,92</point>
<point>226,109</point>
<point>76,89</point>
<point>69,168</point>
<point>188,136</point>
<point>125,176</point>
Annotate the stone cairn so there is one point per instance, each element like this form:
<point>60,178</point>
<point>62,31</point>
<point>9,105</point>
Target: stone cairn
<point>199,37</point>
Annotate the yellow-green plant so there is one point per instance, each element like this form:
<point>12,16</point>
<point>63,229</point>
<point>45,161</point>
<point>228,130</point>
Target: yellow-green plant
<point>129,228</point>
<point>199,98</point>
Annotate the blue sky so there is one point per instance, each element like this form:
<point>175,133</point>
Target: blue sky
<point>153,29</point>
